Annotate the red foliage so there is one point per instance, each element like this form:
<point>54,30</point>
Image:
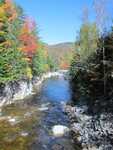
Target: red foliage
<point>8,1</point>
<point>28,39</point>
<point>29,25</point>
<point>64,65</point>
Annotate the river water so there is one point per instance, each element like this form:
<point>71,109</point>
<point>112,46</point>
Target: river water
<point>34,119</point>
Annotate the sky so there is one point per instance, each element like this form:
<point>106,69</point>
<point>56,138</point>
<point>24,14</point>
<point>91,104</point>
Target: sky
<point>57,20</point>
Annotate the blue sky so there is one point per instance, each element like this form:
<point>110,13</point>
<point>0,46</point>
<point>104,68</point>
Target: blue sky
<point>57,20</point>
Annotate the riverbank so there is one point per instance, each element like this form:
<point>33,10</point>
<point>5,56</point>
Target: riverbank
<point>40,121</point>
<point>22,89</point>
<point>90,132</point>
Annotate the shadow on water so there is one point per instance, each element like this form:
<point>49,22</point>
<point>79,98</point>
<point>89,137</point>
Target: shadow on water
<point>37,116</point>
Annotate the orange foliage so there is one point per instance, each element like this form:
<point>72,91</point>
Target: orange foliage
<point>64,66</point>
<point>10,10</point>
<point>28,39</point>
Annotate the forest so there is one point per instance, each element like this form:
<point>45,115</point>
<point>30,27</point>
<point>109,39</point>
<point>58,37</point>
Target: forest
<point>22,53</point>
<point>91,77</point>
<point>91,67</point>
<point>57,96</point>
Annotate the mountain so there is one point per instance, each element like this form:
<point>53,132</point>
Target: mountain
<point>61,52</point>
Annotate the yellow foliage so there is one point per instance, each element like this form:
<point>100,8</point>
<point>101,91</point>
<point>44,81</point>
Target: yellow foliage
<point>46,67</point>
<point>1,25</point>
<point>20,48</point>
<point>5,44</point>
<point>26,59</point>
<point>2,13</point>
<point>2,33</point>
<point>8,43</point>
<point>45,54</point>
<point>29,73</point>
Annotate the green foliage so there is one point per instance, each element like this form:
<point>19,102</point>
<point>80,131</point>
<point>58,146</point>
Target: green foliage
<point>1,2</point>
<point>39,63</point>
<point>12,66</point>
<point>85,47</point>
<point>88,39</point>
<point>52,65</point>
<point>12,62</point>
<point>20,54</point>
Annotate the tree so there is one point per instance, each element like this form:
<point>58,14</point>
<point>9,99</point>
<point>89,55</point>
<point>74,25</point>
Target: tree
<point>52,65</point>
<point>39,63</point>
<point>21,53</point>
<point>28,39</point>
<point>88,39</point>
<point>102,24</point>
<point>101,14</point>
<point>12,63</point>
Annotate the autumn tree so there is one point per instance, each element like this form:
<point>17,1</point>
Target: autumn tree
<point>12,64</point>
<point>28,39</point>
<point>21,54</point>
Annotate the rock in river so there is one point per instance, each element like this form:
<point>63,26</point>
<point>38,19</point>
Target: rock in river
<point>59,130</point>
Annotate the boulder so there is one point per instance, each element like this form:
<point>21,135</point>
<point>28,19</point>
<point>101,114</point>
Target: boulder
<point>59,130</point>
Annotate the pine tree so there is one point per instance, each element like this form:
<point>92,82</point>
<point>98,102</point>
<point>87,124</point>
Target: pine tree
<point>12,63</point>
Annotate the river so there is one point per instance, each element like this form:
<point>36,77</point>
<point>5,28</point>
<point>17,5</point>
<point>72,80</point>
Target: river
<point>29,124</point>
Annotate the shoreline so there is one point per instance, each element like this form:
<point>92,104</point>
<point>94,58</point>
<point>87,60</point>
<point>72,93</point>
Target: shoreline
<point>88,131</point>
<point>22,89</point>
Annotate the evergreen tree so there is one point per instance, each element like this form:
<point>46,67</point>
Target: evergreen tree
<point>12,63</point>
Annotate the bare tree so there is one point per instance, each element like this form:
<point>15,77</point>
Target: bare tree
<point>102,22</point>
<point>85,15</point>
<point>101,14</point>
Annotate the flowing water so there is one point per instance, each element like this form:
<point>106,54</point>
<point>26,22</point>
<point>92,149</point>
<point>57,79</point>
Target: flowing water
<point>28,125</point>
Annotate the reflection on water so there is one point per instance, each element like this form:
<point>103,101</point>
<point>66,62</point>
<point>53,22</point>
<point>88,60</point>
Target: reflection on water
<point>32,120</point>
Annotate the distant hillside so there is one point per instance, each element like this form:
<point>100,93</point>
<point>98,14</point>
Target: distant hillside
<point>61,52</point>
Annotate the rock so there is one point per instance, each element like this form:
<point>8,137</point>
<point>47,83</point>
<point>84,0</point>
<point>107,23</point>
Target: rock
<point>43,108</point>
<point>91,148</point>
<point>91,130</point>
<point>59,130</point>
<point>57,147</point>
<point>45,104</point>
<point>13,120</point>
<point>21,89</point>
<point>24,134</point>
<point>24,89</point>
<point>15,91</point>
<point>27,114</point>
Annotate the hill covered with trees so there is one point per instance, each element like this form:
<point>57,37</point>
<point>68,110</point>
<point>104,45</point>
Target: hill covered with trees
<point>61,54</point>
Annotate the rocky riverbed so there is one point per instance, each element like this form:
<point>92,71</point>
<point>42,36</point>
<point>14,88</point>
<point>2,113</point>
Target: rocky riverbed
<point>19,90</point>
<point>45,121</point>
<point>38,122</point>
<point>91,132</point>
